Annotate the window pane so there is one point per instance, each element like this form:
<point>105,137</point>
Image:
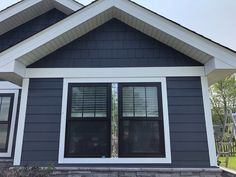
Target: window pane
<point>77,102</point>
<point>141,137</point>
<point>88,138</point>
<point>3,135</point>
<point>128,102</point>
<point>89,102</point>
<point>4,108</point>
<point>139,102</point>
<point>152,102</point>
<point>101,102</point>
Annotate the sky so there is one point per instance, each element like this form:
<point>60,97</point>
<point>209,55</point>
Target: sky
<point>215,19</point>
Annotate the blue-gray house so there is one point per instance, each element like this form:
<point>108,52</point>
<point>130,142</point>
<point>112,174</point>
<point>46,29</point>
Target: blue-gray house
<point>106,85</point>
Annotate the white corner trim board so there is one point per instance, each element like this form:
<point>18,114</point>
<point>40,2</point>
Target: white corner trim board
<point>21,122</point>
<point>13,121</point>
<point>166,159</point>
<point>208,120</point>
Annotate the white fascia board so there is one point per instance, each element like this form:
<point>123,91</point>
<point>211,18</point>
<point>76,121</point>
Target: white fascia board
<point>74,6</point>
<point>13,72</point>
<point>216,64</point>
<point>5,14</point>
<point>54,31</point>
<point>132,9</point>
<point>19,68</point>
<point>114,72</point>
<point>177,31</point>
<point>14,67</point>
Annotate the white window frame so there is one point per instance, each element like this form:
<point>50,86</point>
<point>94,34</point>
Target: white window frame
<point>15,91</point>
<point>65,160</point>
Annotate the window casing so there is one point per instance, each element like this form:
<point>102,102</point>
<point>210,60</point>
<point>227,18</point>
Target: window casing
<point>6,107</point>
<point>63,159</point>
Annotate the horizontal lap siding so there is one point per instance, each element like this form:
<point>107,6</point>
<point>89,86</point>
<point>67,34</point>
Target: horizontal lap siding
<point>186,115</point>
<point>187,123</point>
<point>42,127</point>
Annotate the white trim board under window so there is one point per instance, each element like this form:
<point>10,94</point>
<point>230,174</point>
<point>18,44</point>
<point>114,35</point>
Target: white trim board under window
<point>166,159</point>
<point>13,121</point>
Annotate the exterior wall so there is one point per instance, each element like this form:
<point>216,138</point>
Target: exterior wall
<point>114,44</point>
<point>30,28</point>
<point>187,122</point>
<point>42,126</point>
<point>186,116</point>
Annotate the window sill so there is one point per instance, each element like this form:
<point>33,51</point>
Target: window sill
<point>114,160</point>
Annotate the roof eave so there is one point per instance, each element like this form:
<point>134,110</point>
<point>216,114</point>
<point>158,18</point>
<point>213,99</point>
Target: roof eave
<point>97,13</point>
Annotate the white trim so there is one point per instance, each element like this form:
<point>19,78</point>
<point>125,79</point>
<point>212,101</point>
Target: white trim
<point>71,4</point>
<point>114,72</point>
<point>21,122</point>
<point>9,18</point>
<point>54,31</point>
<point>13,121</point>
<point>193,39</point>
<point>156,21</point>
<point>16,8</point>
<point>209,125</point>
<point>5,85</point>
<point>63,160</point>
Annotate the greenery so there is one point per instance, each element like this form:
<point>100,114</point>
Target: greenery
<point>27,171</point>
<point>223,97</point>
<point>232,162</point>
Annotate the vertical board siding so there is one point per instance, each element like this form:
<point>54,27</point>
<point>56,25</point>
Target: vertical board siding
<point>42,127</point>
<point>114,44</point>
<point>187,124</point>
<point>30,28</point>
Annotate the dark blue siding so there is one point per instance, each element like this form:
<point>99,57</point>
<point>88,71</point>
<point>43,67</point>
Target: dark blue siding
<point>115,44</point>
<point>42,127</point>
<point>30,28</point>
<point>187,123</point>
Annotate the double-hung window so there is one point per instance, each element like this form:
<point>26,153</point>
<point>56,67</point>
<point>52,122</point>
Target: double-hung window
<point>6,105</point>
<point>90,123</point>
<point>140,120</point>
<point>88,120</point>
